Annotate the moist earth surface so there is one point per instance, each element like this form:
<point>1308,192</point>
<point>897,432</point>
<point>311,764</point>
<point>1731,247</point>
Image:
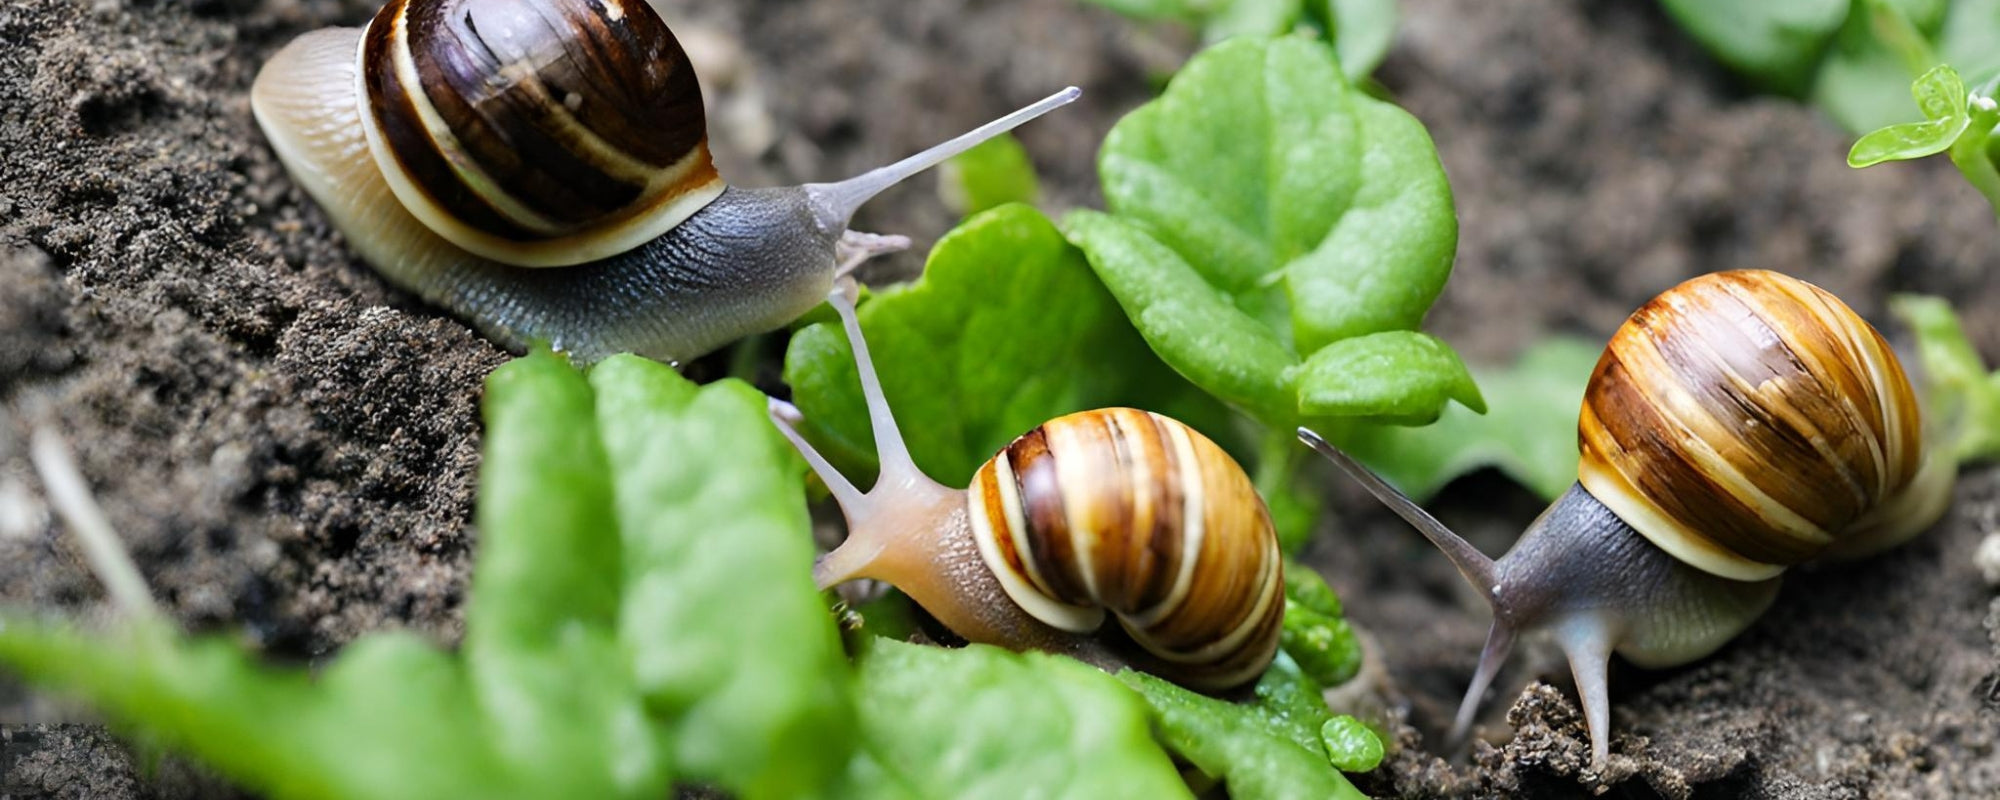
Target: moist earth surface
<point>288,445</point>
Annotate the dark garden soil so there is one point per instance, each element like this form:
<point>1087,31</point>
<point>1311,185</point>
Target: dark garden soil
<point>289,446</point>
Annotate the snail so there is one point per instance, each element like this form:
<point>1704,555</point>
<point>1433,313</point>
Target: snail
<point>1111,510</point>
<point>1739,423</point>
<point>540,168</point>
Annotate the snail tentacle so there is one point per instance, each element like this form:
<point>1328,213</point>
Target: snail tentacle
<point>787,417</point>
<point>1499,643</point>
<point>835,203</point>
<point>1587,640</point>
<point>1475,566</point>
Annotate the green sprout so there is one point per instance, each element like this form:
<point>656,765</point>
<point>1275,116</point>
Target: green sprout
<point>1956,121</point>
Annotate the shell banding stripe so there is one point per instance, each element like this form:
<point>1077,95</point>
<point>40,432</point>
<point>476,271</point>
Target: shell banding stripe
<point>1744,421</point>
<point>527,120</point>
<point>1134,513</point>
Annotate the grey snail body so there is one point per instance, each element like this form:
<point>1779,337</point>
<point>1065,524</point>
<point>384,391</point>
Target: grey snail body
<point>546,177</point>
<point>1739,423</point>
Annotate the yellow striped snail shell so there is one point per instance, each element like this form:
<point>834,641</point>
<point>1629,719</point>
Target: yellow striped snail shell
<point>461,145</point>
<point>1114,511</point>
<point>1739,423</point>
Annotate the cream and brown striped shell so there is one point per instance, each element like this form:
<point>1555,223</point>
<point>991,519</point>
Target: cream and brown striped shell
<point>536,132</point>
<point>1746,421</point>
<point>1135,513</point>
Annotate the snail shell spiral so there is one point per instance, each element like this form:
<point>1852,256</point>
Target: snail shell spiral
<point>1135,513</point>
<point>536,132</point>
<point>1746,421</point>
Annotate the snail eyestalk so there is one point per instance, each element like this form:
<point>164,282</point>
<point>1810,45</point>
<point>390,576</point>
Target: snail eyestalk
<point>904,506</point>
<point>835,203</point>
<point>1474,565</point>
<point>1499,643</point>
<point>1478,569</point>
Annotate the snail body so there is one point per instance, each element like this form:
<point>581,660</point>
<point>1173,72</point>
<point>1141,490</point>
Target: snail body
<point>1737,424</point>
<point>540,168</point>
<point>1109,513</point>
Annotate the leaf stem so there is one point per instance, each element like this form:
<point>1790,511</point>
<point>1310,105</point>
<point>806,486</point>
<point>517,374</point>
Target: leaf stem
<point>1894,30</point>
<point>1969,151</point>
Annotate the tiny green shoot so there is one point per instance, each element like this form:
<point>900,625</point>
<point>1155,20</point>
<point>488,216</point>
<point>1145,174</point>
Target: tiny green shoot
<point>1957,121</point>
<point>1360,30</point>
<point>1852,58</point>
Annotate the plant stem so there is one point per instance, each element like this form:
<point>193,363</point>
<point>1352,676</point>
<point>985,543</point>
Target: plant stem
<point>1894,30</point>
<point>1294,507</point>
<point>1969,152</point>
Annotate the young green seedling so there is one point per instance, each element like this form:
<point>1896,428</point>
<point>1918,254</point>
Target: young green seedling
<point>1957,121</point>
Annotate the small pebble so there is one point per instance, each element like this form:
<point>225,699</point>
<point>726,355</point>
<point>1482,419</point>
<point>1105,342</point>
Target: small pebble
<point>1988,559</point>
<point>21,515</point>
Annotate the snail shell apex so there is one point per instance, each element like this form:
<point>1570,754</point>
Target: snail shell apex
<point>1135,513</point>
<point>1746,421</point>
<point>536,132</point>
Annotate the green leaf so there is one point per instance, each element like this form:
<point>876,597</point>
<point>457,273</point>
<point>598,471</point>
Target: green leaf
<point>542,613</point>
<point>1263,210</point>
<point>392,717</point>
<point>1969,39</point>
<point>1362,32</point>
<point>1308,590</point>
<point>1267,749</point>
<point>1863,82</point>
<point>992,174</point>
<point>1942,97</point>
<point>1293,500</point>
<point>980,722</point>
<point>1370,376</point>
<point>1007,329</point>
<point>1314,633</point>
<point>1905,141</point>
<point>1351,745</point>
<point>1940,93</point>
<point>1151,9</point>
<point>612,639</point>
<point>1529,431</point>
<point>1961,124</point>
<point>1232,18</point>
<point>1195,329</point>
<point>725,633</point>
<point>1961,397</point>
<point>1778,42</point>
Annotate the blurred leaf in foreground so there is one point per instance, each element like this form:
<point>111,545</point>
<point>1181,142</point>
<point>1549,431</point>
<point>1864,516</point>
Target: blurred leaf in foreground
<point>725,633</point>
<point>580,675</point>
<point>981,722</point>
<point>1361,30</point>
